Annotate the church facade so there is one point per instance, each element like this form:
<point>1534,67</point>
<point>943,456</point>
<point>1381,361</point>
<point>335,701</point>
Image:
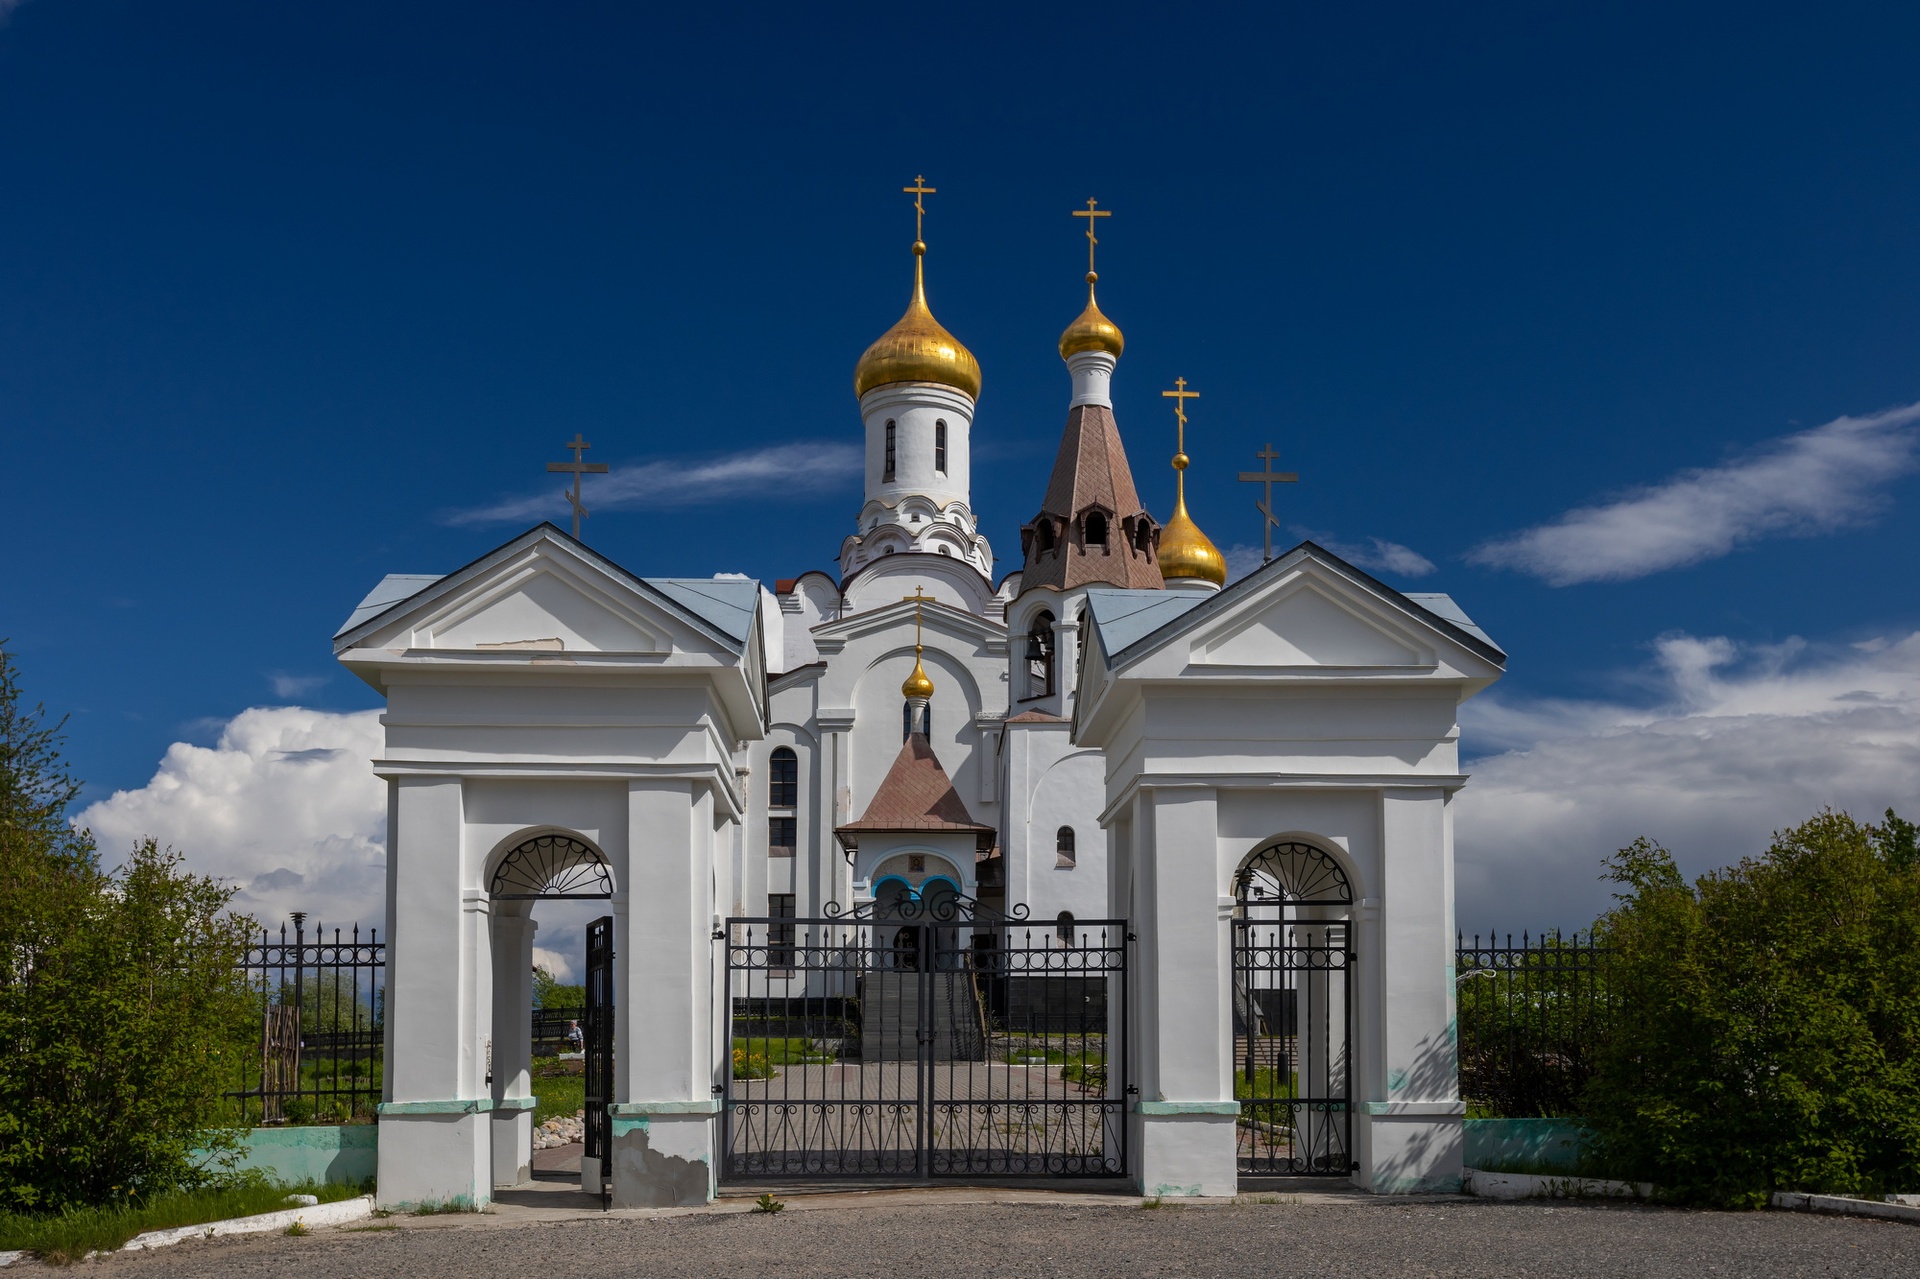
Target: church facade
<point>1104,734</point>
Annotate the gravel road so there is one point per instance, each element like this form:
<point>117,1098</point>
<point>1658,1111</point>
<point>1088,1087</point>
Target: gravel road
<point>964,1241</point>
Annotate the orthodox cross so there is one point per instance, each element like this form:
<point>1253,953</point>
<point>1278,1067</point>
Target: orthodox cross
<point>1180,395</point>
<point>1090,213</point>
<point>578,468</point>
<point>918,189</point>
<point>918,599</point>
<point>1268,477</point>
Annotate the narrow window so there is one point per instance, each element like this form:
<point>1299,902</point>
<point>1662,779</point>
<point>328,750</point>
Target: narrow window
<point>1043,535</point>
<point>940,446</point>
<point>1096,529</point>
<point>888,477</point>
<point>782,835</point>
<point>1143,537</point>
<point>1064,927</point>
<point>908,727</point>
<point>780,936</point>
<point>1063,855</point>
<point>783,779</point>
<point>1040,655</point>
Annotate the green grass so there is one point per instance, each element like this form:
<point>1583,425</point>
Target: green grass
<point>559,1092</point>
<point>1265,1082</point>
<point>67,1237</point>
<point>781,1052</point>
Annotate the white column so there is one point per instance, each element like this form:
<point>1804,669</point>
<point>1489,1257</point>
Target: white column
<point>513,1098</point>
<point>1413,1111</point>
<point>662,1120</point>
<point>1188,1116</point>
<point>434,1138</point>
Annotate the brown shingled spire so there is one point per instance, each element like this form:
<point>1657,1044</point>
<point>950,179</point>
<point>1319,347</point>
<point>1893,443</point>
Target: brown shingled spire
<point>1091,492</point>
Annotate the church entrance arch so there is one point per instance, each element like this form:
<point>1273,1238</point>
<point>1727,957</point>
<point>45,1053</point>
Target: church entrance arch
<point>888,1042</point>
<point>1293,955</point>
<point>546,864</point>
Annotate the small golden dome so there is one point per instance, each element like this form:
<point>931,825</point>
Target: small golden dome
<point>917,348</point>
<point>1092,331</point>
<point>917,684</point>
<point>1184,549</point>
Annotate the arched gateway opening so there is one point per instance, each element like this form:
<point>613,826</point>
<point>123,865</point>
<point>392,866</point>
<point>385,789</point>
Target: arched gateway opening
<point>535,1052</point>
<point>1293,953</point>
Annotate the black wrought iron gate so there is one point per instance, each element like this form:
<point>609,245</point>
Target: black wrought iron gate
<point>597,1032</point>
<point>1292,1005</point>
<point>922,1039</point>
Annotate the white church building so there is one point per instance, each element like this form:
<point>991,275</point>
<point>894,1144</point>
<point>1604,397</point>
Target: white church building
<point>1105,869</point>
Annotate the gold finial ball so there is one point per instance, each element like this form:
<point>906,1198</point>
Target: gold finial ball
<point>1180,461</point>
<point>1093,277</point>
<point>919,248</point>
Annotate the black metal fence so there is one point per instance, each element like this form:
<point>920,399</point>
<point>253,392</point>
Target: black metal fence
<point>558,1030</point>
<point>1531,1019</point>
<point>322,1017</point>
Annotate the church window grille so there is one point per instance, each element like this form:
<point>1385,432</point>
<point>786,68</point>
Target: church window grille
<point>1040,656</point>
<point>1063,854</point>
<point>780,936</point>
<point>888,477</point>
<point>783,779</point>
<point>940,447</point>
<point>1063,927</point>
<point>782,835</point>
<point>1096,529</point>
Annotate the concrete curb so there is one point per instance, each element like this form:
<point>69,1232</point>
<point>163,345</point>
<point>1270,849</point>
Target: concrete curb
<point>331,1214</point>
<point>1840,1205</point>
<point>1514,1185</point>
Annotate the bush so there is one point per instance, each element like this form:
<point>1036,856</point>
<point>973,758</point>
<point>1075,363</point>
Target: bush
<point>1769,1028</point>
<point>122,1013</point>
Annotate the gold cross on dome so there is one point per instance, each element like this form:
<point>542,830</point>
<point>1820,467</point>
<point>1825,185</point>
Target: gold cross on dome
<point>579,468</point>
<point>918,189</point>
<point>1269,477</point>
<point>1090,213</point>
<point>918,597</point>
<point>1180,395</point>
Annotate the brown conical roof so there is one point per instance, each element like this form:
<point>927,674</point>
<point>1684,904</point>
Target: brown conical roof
<point>1090,474</point>
<point>916,794</point>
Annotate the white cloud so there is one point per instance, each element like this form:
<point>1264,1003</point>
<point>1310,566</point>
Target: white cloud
<point>1820,481</point>
<point>555,963</point>
<point>1740,742</point>
<point>284,805</point>
<point>1374,555</point>
<point>782,471</point>
<point>290,687</point>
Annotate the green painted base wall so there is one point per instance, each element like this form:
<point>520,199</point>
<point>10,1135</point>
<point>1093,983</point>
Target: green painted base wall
<point>1546,1143</point>
<point>343,1155</point>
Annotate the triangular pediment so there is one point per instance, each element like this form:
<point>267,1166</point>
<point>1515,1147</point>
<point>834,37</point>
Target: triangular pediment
<point>1310,625</point>
<point>542,607</point>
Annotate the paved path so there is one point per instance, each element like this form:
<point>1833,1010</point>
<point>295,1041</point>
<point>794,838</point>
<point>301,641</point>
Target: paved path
<point>975,1234</point>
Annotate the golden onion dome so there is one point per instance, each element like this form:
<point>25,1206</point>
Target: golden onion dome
<point>1092,331</point>
<point>917,348</point>
<point>1184,549</point>
<point>917,684</point>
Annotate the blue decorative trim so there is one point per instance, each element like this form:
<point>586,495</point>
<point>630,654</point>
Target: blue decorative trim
<point>474,1106</point>
<point>621,1109</point>
<point>516,1103</point>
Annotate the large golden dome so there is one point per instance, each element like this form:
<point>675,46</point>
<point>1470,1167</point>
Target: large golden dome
<point>1184,549</point>
<point>1092,331</point>
<point>917,349</point>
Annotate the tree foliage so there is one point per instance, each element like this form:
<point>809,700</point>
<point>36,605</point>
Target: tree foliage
<point>121,1009</point>
<point>1769,1028</point>
<point>550,992</point>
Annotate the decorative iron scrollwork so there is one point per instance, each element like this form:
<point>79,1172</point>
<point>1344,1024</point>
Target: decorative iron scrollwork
<point>551,868</point>
<point>939,907</point>
<point>1296,873</point>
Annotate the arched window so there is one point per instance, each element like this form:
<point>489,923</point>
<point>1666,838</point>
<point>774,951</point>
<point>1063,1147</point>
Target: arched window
<point>1063,854</point>
<point>1063,926</point>
<point>1043,535</point>
<point>907,725</point>
<point>888,476</point>
<point>1096,529</point>
<point>946,552</point>
<point>783,792</point>
<point>940,446</point>
<point>1040,655</point>
<point>1143,537</point>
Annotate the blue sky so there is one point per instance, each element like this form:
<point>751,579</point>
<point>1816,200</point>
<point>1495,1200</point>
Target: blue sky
<point>286,289</point>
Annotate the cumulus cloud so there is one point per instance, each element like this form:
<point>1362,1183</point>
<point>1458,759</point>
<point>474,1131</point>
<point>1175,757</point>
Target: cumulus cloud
<point>785,470</point>
<point>1738,741</point>
<point>1374,555</point>
<point>291,687</point>
<point>1820,481</point>
<point>283,805</point>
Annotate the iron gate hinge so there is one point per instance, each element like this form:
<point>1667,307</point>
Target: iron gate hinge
<point>1133,1090</point>
<point>718,1089</point>
<point>719,934</point>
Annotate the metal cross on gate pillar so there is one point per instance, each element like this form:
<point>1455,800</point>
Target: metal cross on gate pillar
<point>1268,477</point>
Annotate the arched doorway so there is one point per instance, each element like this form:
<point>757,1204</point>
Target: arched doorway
<point>1293,953</point>
<point>530,867</point>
